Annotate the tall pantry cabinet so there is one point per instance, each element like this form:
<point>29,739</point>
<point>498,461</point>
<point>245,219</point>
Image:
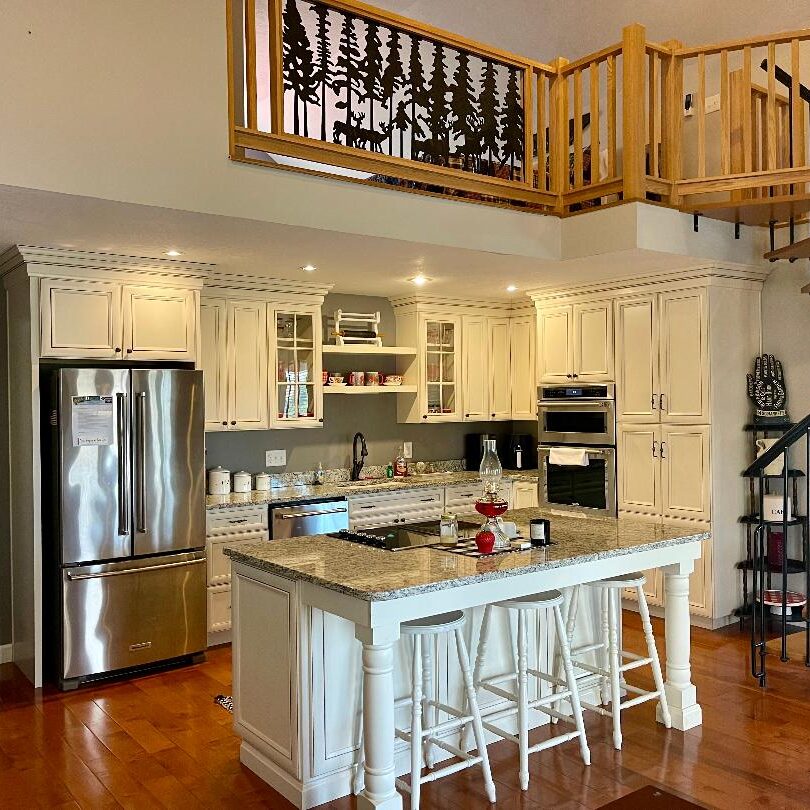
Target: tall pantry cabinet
<point>683,343</point>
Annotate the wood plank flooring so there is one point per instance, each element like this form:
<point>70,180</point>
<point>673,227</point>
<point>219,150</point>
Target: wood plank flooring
<point>160,741</point>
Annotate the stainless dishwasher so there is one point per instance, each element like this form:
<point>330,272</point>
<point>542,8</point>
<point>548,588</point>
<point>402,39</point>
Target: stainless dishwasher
<point>298,520</point>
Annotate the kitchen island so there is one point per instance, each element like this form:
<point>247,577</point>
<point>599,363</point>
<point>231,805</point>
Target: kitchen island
<point>316,637</point>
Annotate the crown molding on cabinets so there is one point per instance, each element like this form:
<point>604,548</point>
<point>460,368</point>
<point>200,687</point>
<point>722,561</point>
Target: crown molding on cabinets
<point>235,285</point>
<point>726,274</point>
<point>50,262</point>
<point>460,306</point>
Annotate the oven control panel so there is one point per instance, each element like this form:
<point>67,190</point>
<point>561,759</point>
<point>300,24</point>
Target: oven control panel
<point>575,392</point>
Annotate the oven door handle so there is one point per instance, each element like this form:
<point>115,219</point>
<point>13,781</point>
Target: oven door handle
<point>295,515</point>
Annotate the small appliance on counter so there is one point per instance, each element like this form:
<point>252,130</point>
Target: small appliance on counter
<point>520,452</point>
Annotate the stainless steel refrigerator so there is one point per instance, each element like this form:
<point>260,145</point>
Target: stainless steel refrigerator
<point>127,518</point>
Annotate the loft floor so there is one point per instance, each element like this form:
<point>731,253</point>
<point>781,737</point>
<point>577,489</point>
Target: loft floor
<point>160,741</point>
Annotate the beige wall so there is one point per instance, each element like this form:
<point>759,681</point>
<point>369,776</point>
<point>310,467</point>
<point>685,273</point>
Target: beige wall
<point>5,529</point>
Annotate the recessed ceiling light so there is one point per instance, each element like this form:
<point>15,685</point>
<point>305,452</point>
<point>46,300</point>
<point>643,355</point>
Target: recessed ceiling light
<point>309,268</point>
<point>511,288</point>
<point>173,253</point>
<point>419,280</point>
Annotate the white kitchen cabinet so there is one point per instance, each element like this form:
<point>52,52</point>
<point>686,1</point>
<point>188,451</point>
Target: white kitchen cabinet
<point>523,367</point>
<point>498,344</point>
<point>107,320</point>
<point>460,499</point>
<point>684,357</point>
<point>80,319</point>
<point>637,386</point>
<point>662,346</point>
<point>247,365</point>
<point>441,392</point>
<point>639,479</point>
<point>213,361</point>
<point>575,341</point>
<point>296,393</point>
<point>555,346</point>
<point>524,495</point>
<point>390,508</point>
<point>685,471</point>
<point>475,368</point>
<point>159,323</point>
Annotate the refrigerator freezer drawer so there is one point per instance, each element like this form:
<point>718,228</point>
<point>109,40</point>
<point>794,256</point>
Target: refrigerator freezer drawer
<point>132,613</point>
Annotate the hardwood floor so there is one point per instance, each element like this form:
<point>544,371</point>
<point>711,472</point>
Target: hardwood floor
<point>160,741</point>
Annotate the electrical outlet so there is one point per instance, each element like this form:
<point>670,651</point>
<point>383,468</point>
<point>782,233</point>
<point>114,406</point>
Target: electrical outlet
<point>712,103</point>
<point>407,449</point>
<point>275,458</point>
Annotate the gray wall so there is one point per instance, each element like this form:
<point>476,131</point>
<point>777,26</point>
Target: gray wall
<point>375,416</point>
<point>5,532</point>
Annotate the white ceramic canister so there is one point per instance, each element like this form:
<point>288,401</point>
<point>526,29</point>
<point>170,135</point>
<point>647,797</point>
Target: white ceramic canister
<point>262,482</point>
<point>219,481</point>
<point>242,481</point>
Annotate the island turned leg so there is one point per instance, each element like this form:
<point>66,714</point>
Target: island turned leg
<point>680,691</point>
<point>380,792</point>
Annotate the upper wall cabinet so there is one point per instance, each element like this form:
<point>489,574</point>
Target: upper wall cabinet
<point>440,344</point>
<point>575,342</point>
<point>475,368</point>
<point>523,367</point>
<point>661,342</point>
<point>107,320</point>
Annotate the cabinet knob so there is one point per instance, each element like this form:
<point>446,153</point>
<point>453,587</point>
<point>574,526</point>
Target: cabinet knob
<point>225,422</point>
<point>575,376</point>
<point>129,351</point>
<point>493,415</point>
<point>321,419</point>
<point>118,350</point>
<point>424,416</point>
<point>233,423</point>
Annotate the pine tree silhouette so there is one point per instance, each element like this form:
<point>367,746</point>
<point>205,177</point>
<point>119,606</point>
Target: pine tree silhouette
<point>401,121</point>
<point>347,75</point>
<point>463,108</point>
<point>437,109</point>
<point>512,121</point>
<point>323,73</point>
<point>415,90</point>
<point>372,68</point>
<point>393,79</point>
<point>299,67</point>
<point>488,106</point>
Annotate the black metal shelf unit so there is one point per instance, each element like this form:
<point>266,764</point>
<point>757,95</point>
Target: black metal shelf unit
<point>762,565</point>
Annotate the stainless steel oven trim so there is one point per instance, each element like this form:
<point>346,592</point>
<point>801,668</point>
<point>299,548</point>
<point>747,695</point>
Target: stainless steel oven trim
<point>610,483</point>
<point>553,437</point>
<point>294,515</point>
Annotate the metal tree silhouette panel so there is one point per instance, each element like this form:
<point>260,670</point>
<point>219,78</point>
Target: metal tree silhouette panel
<point>362,83</point>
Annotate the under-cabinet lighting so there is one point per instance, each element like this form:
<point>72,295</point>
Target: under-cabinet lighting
<point>173,253</point>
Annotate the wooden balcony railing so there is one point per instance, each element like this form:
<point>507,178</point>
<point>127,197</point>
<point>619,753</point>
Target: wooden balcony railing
<point>339,87</point>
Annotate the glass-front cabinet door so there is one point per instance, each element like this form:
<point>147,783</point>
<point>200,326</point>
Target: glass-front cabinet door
<point>441,392</point>
<point>296,394</point>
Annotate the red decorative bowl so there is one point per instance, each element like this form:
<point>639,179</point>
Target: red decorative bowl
<point>491,509</point>
<point>485,540</point>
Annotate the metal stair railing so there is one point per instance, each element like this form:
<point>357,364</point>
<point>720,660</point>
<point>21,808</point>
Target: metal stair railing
<point>781,447</point>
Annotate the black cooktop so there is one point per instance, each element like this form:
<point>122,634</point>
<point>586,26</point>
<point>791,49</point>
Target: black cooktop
<point>400,538</point>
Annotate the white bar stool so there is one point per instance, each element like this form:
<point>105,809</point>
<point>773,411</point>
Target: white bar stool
<point>616,661</point>
<point>424,732</point>
<point>550,600</point>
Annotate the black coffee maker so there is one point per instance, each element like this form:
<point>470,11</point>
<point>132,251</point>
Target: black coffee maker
<point>520,452</point>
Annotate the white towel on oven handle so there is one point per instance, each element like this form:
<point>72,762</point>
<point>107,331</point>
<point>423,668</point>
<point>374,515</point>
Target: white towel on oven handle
<point>568,456</point>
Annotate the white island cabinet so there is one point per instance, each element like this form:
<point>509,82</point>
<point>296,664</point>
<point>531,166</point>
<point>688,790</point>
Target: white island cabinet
<point>318,658</point>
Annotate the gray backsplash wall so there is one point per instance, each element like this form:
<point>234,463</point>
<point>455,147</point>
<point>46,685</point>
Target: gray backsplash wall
<point>375,416</point>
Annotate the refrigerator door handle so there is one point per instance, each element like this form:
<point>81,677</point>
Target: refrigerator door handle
<point>76,577</point>
<point>140,463</point>
<point>123,466</point>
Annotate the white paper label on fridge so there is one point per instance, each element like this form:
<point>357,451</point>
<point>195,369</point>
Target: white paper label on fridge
<point>92,421</point>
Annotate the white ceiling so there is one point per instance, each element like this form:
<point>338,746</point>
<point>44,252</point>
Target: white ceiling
<point>352,263</point>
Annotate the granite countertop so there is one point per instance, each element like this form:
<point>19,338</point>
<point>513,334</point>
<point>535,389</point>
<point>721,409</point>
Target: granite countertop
<point>377,575</point>
<point>310,492</point>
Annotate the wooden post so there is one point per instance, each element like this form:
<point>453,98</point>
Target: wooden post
<point>558,132</point>
<point>250,62</point>
<point>673,131</point>
<point>737,117</point>
<point>528,128</point>
<point>275,14</point>
<point>633,119</point>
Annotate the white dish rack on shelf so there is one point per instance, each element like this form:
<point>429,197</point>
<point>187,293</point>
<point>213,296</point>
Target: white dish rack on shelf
<point>363,329</point>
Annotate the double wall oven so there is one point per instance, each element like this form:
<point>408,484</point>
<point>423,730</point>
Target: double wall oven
<point>577,448</point>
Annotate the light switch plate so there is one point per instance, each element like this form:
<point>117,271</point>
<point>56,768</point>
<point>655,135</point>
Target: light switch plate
<point>407,449</point>
<point>275,458</point>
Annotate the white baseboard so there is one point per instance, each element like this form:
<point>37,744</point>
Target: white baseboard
<point>6,653</point>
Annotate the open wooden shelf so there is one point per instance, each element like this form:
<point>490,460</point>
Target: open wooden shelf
<point>369,389</point>
<point>753,211</point>
<point>361,348</point>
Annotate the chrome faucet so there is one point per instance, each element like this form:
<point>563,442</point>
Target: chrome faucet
<point>357,463</point>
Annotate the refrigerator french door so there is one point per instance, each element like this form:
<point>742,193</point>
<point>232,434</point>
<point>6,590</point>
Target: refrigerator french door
<point>130,496</point>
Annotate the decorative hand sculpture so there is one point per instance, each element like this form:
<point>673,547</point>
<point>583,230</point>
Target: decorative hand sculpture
<point>766,387</point>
